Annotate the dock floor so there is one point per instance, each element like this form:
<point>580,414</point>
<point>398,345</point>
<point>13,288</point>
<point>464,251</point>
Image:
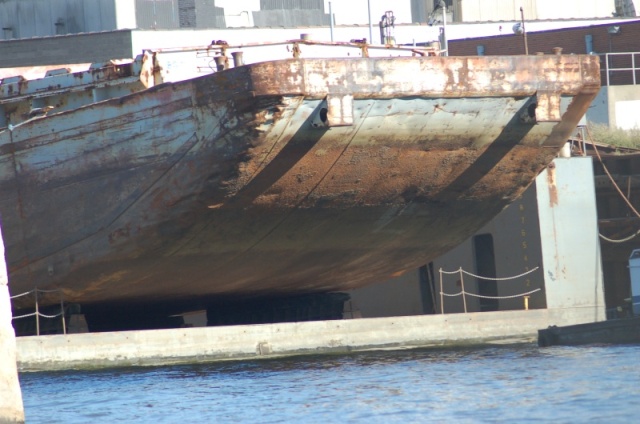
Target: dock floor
<point>208,344</point>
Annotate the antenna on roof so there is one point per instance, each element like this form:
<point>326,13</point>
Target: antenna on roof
<point>520,29</point>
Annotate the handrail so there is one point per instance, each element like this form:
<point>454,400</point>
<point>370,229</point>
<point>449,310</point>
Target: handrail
<point>37,312</point>
<point>633,69</point>
<point>223,45</point>
<point>464,293</point>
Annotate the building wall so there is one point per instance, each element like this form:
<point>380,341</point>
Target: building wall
<point>397,297</point>
<point>32,18</point>
<point>68,49</point>
<point>623,106</point>
<point>125,11</point>
<point>506,10</point>
<point>572,41</point>
<point>598,112</point>
<point>38,18</point>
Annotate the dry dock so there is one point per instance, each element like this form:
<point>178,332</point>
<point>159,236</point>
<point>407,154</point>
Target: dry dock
<point>204,344</point>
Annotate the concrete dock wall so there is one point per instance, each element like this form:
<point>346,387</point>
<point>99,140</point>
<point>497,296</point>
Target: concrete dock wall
<point>190,345</point>
<point>11,407</point>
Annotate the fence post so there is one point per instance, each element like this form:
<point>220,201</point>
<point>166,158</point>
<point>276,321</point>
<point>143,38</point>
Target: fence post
<point>64,324</point>
<point>37,315</point>
<point>441,295</point>
<point>464,294</point>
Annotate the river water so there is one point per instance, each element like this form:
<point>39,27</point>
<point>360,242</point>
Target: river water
<point>518,383</point>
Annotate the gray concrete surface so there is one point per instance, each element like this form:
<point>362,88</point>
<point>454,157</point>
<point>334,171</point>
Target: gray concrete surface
<point>11,407</point>
<point>208,344</point>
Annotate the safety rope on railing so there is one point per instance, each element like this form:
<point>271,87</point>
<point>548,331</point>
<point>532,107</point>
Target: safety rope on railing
<point>460,270</point>
<point>463,292</point>
<point>500,279</point>
<point>624,240</point>
<point>615,185</point>
<point>457,271</point>
<point>37,312</point>
<point>25,316</point>
<point>20,295</point>
<point>36,290</point>
<point>490,297</point>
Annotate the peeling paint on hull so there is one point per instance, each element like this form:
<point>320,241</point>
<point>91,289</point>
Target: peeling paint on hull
<point>236,184</point>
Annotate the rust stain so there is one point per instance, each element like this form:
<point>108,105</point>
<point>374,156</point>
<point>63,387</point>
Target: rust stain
<point>553,188</point>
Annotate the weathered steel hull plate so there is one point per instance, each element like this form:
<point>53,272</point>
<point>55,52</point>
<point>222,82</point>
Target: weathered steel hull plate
<point>284,177</point>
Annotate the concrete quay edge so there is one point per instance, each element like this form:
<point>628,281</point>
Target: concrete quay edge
<point>248,342</point>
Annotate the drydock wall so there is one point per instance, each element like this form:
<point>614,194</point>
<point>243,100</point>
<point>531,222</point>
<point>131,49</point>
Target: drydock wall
<point>569,236</point>
<point>190,345</point>
<point>11,408</point>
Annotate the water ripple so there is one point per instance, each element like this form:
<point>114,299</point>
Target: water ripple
<point>521,383</point>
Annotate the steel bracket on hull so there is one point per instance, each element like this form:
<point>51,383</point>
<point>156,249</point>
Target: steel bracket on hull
<point>548,107</point>
<point>339,110</point>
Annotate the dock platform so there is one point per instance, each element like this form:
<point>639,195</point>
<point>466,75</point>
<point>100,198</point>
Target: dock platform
<point>248,342</point>
<point>618,331</point>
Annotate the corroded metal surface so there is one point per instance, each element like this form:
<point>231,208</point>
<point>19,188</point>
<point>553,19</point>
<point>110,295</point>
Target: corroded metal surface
<point>290,176</point>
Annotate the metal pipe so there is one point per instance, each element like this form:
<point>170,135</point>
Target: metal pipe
<point>441,295</point>
<point>331,21</point>
<point>464,293</point>
<point>524,32</point>
<point>64,323</point>
<point>370,24</point>
<point>37,315</point>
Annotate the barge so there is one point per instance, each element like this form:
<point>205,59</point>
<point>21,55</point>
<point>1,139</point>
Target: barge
<point>280,177</point>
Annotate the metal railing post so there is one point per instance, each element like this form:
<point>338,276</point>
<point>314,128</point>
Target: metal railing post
<point>464,293</point>
<point>64,323</point>
<point>37,315</point>
<point>441,295</point>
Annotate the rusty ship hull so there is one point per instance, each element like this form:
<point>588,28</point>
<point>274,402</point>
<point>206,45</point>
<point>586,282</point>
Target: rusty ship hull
<point>282,177</point>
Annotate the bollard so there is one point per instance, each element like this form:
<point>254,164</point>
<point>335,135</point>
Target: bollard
<point>11,407</point>
<point>221,62</point>
<point>526,303</point>
<point>238,60</point>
